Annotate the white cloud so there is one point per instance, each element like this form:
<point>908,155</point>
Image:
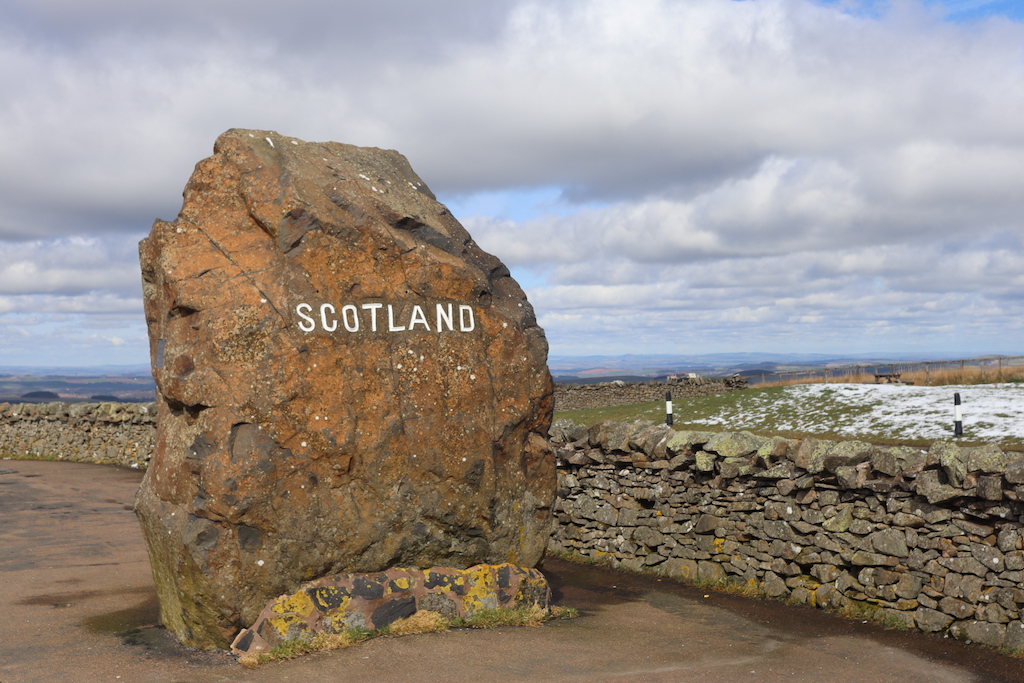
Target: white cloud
<point>113,341</point>
<point>813,174</point>
<point>72,266</point>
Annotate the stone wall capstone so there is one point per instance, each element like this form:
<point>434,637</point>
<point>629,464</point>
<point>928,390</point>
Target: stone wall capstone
<point>930,539</point>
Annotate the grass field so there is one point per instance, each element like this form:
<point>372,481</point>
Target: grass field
<point>927,374</point>
<point>880,413</point>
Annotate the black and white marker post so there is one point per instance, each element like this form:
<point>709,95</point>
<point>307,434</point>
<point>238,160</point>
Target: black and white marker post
<point>958,423</point>
<point>668,408</point>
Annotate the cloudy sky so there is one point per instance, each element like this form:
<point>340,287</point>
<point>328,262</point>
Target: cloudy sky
<point>662,176</point>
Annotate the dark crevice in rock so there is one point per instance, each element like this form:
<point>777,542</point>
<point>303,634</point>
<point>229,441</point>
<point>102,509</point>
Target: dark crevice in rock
<point>181,311</point>
<point>475,473</point>
<point>179,408</point>
<point>428,235</point>
<point>500,271</point>
<point>409,223</point>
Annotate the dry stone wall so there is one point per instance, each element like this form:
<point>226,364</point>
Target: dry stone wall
<point>930,539</point>
<point>620,393</point>
<point>106,433</point>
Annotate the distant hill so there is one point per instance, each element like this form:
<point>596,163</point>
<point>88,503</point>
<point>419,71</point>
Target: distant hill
<point>36,385</point>
<point>45,395</point>
<point>646,368</point>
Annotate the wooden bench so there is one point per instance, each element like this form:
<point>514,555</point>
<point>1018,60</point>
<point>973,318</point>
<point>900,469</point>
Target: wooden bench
<point>887,377</point>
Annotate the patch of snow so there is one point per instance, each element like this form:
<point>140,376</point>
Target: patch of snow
<point>990,411</point>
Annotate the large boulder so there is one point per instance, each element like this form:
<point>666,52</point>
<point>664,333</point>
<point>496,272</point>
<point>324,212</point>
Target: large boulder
<point>346,383</point>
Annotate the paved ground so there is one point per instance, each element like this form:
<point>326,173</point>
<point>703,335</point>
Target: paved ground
<point>74,573</point>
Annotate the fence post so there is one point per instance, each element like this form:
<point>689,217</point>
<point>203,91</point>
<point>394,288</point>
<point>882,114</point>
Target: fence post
<point>668,408</point>
<point>958,424</point>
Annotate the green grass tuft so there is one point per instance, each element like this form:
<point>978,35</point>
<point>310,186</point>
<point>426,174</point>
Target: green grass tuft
<point>532,615</point>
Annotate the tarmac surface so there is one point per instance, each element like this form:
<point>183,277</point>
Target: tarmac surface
<point>77,603</point>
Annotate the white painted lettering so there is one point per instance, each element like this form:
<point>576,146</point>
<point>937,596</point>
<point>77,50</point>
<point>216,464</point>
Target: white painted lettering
<point>391,321</point>
<point>349,317</point>
<point>445,318</point>
<point>463,317</point>
<point>418,318</point>
<point>302,310</point>
<point>373,314</point>
<point>353,324</point>
<point>323,318</point>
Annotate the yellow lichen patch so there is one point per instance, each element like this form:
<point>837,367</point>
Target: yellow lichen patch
<point>531,589</point>
<point>482,590</point>
<point>448,580</point>
<point>299,603</point>
<point>289,625</point>
<point>328,599</point>
<point>402,582</point>
<point>718,543</point>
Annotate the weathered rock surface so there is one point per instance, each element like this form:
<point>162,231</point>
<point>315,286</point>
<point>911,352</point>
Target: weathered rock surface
<point>334,604</point>
<point>346,383</point>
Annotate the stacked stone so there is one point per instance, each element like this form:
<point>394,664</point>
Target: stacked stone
<point>620,393</point>
<point>925,539</point>
<point>341,602</point>
<point>104,433</point>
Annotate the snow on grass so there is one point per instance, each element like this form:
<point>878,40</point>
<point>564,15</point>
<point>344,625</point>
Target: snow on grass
<point>991,412</point>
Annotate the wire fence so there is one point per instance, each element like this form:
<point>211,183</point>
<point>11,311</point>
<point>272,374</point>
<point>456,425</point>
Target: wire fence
<point>966,371</point>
